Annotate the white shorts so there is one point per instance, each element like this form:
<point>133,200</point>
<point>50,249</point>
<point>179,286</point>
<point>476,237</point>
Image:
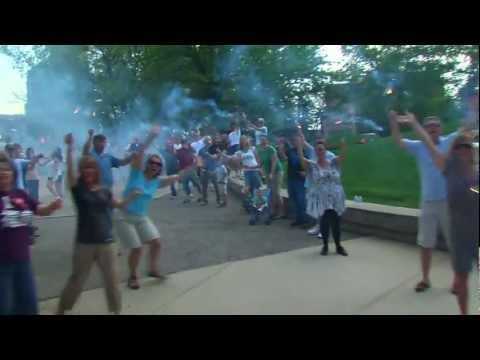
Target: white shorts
<point>434,216</point>
<point>134,231</point>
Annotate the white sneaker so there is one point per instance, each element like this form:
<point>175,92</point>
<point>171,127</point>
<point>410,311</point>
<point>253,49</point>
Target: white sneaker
<point>314,231</point>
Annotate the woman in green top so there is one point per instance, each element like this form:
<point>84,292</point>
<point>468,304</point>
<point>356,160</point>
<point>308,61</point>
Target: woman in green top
<point>272,169</point>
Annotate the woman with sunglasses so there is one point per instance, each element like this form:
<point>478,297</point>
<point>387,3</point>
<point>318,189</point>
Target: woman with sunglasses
<point>461,176</point>
<point>325,196</point>
<point>94,232</point>
<point>137,228</point>
<point>17,282</point>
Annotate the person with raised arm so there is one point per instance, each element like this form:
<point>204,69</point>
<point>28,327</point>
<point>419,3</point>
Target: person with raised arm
<point>17,282</point>
<point>259,129</point>
<point>137,228</point>
<point>22,165</point>
<point>94,242</point>
<point>434,213</point>
<point>325,196</point>
<point>461,176</point>
<point>105,161</point>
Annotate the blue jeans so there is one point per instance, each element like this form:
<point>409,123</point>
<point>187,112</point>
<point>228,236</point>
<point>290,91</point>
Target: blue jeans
<point>252,181</point>
<point>296,192</point>
<point>32,188</point>
<point>233,149</point>
<point>190,176</point>
<point>17,289</point>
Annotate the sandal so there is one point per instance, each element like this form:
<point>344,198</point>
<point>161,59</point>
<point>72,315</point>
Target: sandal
<point>156,275</point>
<point>133,283</point>
<point>422,286</point>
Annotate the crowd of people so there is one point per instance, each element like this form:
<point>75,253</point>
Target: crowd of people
<point>310,173</point>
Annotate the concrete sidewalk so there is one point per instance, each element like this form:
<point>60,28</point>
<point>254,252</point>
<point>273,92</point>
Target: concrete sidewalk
<point>377,278</point>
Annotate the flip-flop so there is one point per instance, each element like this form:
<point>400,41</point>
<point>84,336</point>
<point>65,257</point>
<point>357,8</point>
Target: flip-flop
<point>156,275</point>
<point>133,283</point>
<point>422,286</point>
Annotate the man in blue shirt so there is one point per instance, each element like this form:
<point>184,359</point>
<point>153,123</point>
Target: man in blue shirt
<point>105,161</point>
<point>296,179</point>
<point>210,161</point>
<point>434,208</point>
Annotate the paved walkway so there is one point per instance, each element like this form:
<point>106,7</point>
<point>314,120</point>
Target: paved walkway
<point>192,237</point>
<point>377,278</point>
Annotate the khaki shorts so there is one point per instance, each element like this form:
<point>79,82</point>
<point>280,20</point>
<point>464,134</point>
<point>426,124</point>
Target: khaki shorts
<point>135,231</point>
<point>434,216</point>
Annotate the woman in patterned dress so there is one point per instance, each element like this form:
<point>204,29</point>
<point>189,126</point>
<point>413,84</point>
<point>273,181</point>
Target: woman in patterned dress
<point>325,196</point>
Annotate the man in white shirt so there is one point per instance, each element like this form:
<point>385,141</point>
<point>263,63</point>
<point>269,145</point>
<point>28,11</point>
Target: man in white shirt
<point>197,144</point>
<point>259,130</point>
<point>234,138</point>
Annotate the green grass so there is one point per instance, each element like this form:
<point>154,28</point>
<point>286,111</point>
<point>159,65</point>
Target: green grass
<point>381,173</point>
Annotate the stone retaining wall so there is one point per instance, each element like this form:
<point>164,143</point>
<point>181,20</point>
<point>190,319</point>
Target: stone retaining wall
<point>382,221</point>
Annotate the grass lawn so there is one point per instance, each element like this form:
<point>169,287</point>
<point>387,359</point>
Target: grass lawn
<point>381,173</point>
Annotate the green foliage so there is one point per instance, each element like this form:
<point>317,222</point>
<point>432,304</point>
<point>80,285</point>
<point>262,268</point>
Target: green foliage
<point>271,81</point>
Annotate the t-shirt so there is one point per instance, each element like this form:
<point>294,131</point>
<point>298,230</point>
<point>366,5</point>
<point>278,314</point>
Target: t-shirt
<point>460,196</point>
<point>198,145</point>
<point>185,157</point>
<point>433,183</point>
<point>265,155</point>
<point>94,220</point>
<point>106,162</point>
<point>208,161</point>
<point>55,169</point>
<point>137,181</point>
<point>16,216</point>
<point>171,161</point>
<point>294,167</point>
<point>263,131</point>
<point>248,158</point>
<point>21,165</point>
<point>234,137</point>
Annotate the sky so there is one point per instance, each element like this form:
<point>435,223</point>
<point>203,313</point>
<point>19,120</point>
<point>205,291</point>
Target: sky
<point>12,82</point>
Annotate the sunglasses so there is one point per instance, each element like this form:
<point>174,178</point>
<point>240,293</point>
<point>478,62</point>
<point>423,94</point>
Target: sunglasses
<point>151,162</point>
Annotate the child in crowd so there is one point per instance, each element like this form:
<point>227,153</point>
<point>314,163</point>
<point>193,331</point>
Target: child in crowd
<point>260,209</point>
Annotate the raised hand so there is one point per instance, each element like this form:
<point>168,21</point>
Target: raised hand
<point>408,119</point>
<point>155,130</point>
<point>68,139</point>
<point>91,132</point>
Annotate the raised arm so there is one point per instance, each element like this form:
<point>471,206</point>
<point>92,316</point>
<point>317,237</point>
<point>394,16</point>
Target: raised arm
<point>395,129</point>
<point>70,172</point>
<point>439,159</point>
<point>300,145</point>
<point>136,158</point>
<point>281,152</point>
<point>343,152</point>
<point>154,132</point>
<point>88,145</point>
<point>274,160</point>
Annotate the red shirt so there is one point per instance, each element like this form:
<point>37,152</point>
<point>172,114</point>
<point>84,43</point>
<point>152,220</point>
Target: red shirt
<point>186,157</point>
